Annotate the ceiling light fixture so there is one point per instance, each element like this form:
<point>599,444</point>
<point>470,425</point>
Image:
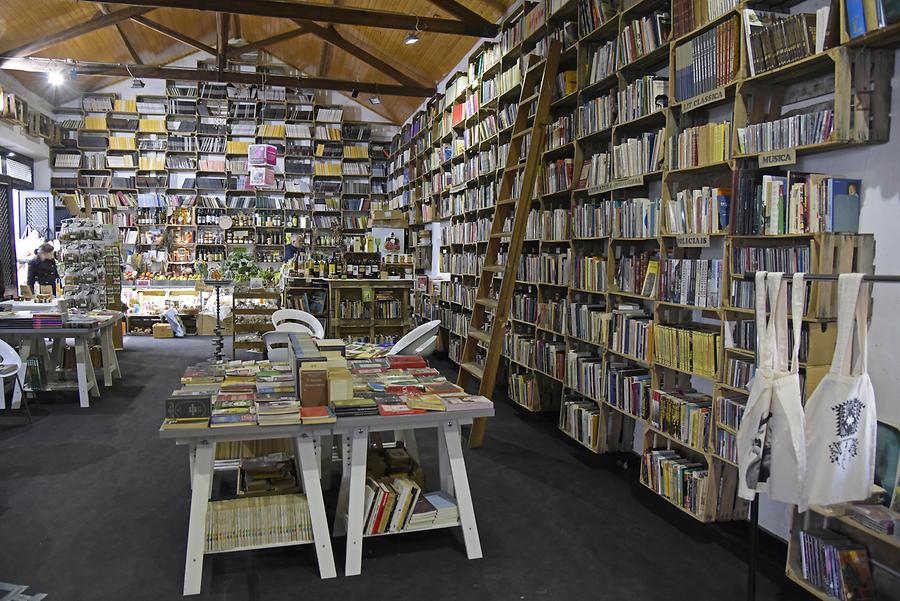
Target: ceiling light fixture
<point>10,154</point>
<point>375,100</point>
<point>413,36</point>
<point>54,77</point>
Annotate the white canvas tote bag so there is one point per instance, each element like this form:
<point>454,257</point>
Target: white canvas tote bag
<point>840,415</point>
<point>770,444</point>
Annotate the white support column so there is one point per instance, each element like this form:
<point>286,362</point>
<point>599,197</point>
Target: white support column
<point>445,477</point>
<point>81,372</point>
<point>452,441</point>
<point>356,504</point>
<point>312,486</point>
<point>202,476</point>
<point>340,515</point>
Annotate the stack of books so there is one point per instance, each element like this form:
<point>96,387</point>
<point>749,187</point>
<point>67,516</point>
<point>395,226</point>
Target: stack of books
<point>389,504</point>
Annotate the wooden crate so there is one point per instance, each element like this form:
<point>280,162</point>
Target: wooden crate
<point>859,79</point>
<point>829,254</point>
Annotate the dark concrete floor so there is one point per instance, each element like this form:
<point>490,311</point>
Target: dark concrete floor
<point>93,506</point>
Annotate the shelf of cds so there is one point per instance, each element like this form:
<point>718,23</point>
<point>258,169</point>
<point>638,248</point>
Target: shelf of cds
<point>186,152</point>
<point>667,175</point>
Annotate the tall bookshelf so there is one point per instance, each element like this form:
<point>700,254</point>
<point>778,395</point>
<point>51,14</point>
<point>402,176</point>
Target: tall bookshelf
<point>588,335</point>
<point>167,167</point>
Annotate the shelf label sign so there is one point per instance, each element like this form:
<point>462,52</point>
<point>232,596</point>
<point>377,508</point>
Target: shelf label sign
<point>692,240</point>
<point>776,158</point>
<point>626,182</point>
<point>703,99</point>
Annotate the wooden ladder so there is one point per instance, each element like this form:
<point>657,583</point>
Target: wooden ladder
<point>540,72</point>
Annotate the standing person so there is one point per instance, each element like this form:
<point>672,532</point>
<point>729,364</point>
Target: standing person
<point>293,249</point>
<point>42,269</point>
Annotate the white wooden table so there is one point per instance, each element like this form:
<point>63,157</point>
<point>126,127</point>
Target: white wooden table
<point>202,444</point>
<point>354,431</point>
<point>32,339</point>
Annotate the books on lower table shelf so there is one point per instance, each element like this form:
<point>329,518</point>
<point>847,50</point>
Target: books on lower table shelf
<point>237,524</point>
<point>397,504</point>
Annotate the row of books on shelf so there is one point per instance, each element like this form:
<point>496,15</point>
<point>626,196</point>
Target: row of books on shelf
<point>642,36</point>
<point>708,61</point>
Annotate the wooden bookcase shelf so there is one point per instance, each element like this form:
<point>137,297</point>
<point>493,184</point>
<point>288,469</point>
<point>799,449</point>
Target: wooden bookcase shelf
<point>430,173</point>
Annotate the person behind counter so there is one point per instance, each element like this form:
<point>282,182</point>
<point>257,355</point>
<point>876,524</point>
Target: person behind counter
<point>293,249</point>
<point>42,268</point>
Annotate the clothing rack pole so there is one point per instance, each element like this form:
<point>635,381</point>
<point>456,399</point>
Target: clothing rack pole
<point>754,504</point>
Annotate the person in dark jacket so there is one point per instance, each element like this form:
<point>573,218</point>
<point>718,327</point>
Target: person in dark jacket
<point>293,249</point>
<point>42,268</point>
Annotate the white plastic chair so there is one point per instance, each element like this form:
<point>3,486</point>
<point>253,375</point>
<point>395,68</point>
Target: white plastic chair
<point>283,317</point>
<point>421,341</point>
<point>11,366</point>
<point>278,346</point>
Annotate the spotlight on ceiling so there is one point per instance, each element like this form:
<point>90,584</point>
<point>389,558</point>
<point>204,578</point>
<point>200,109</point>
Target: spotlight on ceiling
<point>54,77</point>
<point>375,100</point>
<point>411,38</point>
<point>137,84</point>
<point>73,74</point>
<point>10,154</point>
<point>354,93</point>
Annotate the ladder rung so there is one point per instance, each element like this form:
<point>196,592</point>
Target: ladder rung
<point>502,235</point>
<point>490,303</point>
<point>507,201</point>
<point>529,99</point>
<point>538,65</point>
<point>516,167</point>
<point>473,369</point>
<point>522,133</point>
<point>480,336</point>
<point>495,269</point>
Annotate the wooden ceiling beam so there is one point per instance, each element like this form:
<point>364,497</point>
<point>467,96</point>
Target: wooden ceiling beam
<point>460,12</point>
<point>258,44</point>
<point>331,14</point>
<point>98,22</point>
<point>316,83</point>
<point>330,35</point>
<point>125,41</point>
<point>223,22</point>
<point>175,35</point>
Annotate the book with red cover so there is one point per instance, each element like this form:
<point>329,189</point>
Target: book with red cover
<point>407,361</point>
<point>317,415</point>
<point>445,388</point>
<point>402,389</point>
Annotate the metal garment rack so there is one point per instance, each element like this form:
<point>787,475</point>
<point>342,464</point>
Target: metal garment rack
<point>754,504</point>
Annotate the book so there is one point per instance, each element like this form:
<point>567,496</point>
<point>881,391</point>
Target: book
<point>856,18</point>
<point>317,415</point>
<point>428,402</point>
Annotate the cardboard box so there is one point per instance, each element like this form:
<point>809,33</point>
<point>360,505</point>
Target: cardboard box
<point>314,384</point>
<point>206,325</point>
<point>162,330</point>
